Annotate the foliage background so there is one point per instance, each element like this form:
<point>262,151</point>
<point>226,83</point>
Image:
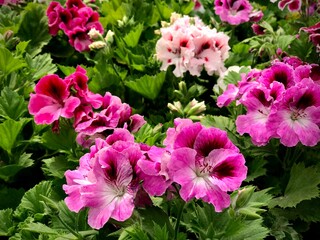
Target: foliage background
<point>280,197</point>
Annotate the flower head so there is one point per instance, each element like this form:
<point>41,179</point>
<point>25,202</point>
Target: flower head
<point>51,100</point>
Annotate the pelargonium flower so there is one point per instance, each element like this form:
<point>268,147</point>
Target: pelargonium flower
<point>259,102</point>
<point>204,162</point>
<point>78,81</point>
<point>8,2</point>
<point>280,72</point>
<point>106,181</point>
<point>297,116</point>
<point>113,114</point>
<point>154,172</point>
<point>293,5</point>
<point>176,50</point>
<point>314,34</point>
<point>51,100</point>
<point>233,11</point>
<point>191,46</point>
<point>112,195</point>
<point>76,20</point>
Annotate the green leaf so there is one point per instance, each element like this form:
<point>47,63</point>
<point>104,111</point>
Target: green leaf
<point>284,41</point>
<point>302,185</point>
<point>249,230</point>
<point>256,168</point>
<point>76,221</point>
<point>132,38</point>
<point>6,223</point>
<point>12,105</point>
<point>164,10</point>
<point>8,63</point>
<point>67,70</point>
<point>148,86</point>
<point>9,20</point>
<point>56,166</point>
<point>34,27</point>
<point>308,211</point>
<point>40,65</point>
<point>221,122</point>
<point>64,140</point>
<point>9,130</point>
<point>21,47</point>
<point>30,202</point>
<point>114,11</point>
<point>154,215</point>
<point>8,171</point>
<point>39,228</point>
<point>105,75</point>
<point>160,233</point>
<point>149,135</point>
<point>248,203</point>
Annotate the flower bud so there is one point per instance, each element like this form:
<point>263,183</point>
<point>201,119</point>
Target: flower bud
<point>176,107</point>
<point>109,37</point>
<point>97,45</point>
<point>94,34</point>
<point>194,107</point>
<point>8,35</point>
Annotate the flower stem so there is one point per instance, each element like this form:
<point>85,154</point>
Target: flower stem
<point>176,229</point>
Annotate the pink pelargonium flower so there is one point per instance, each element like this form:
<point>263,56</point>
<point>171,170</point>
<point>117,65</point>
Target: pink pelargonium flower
<point>9,2</point>
<point>154,171</point>
<point>51,100</point>
<point>259,102</point>
<point>293,5</point>
<point>298,115</point>
<point>106,181</point>
<point>56,15</point>
<point>279,72</point>
<point>208,178</point>
<point>195,136</point>
<point>233,11</point>
<point>112,195</point>
<point>78,82</point>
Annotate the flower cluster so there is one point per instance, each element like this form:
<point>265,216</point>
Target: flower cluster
<point>314,35</point>
<point>189,45</point>
<point>75,21</point>
<point>94,115</point>
<point>282,101</point>
<point>204,162</point>
<point>116,174</point>
<point>236,12</point>
<point>9,2</point>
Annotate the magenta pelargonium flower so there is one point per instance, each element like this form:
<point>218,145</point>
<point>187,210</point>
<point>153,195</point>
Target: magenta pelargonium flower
<point>106,181</point>
<point>293,5</point>
<point>282,101</point>
<point>204,162</point>
<point>75,20</point>
<point>208,178</point>
<point>298,116</point>
<point>154,171</point>
<point>233,11</point>
<point>51,100</point>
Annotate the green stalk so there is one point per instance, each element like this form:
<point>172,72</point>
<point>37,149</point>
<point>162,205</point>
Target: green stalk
<point>176,228</point>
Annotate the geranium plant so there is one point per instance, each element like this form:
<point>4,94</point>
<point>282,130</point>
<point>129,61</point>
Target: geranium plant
<point>164,119</point>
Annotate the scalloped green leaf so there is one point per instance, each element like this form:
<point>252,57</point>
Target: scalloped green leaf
<point>302,185</point>
<point>9,131</point>
<point>148,86</point>
<point>12,105</point>
<point>8,63</point>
